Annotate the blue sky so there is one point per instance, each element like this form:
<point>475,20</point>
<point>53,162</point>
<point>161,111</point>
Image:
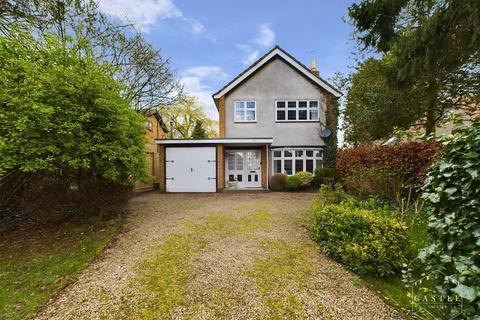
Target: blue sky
<point>210,41</point>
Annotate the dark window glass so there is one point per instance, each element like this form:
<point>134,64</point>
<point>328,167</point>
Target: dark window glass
<point>231,177</point>
<point>277,154</point>
<point>287,153</point>
<point>277,166</point>
<point>319,163</point>
<point>280,114</point>
<point>249,178</point>
<point>309,166</point>
<point>292,104</point>
<point>292,115</point>
<point>298,165</point>
<point>280,104</point>
<point>302,104</point>
<point>239,178</point>
<point>256,178</point>
<point>309,153</point>
<point>288,166</point>
<point>302,114</point>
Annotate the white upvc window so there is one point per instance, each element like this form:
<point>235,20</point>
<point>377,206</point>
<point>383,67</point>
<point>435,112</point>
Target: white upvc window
<point>290,161</point>
<point>245,111</point>
<point>297,110</point>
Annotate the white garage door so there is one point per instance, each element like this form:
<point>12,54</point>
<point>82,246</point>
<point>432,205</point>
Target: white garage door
<point>191,169</point>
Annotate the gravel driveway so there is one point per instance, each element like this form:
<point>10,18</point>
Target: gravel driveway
<point>217,256</point>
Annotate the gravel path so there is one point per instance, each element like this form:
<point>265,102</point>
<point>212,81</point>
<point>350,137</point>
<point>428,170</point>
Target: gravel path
<point>216,256</point>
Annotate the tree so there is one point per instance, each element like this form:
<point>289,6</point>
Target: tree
<point>374,106</point>
<point>149,82</point>
<point>426,35</point>
<point>198,131</point>
<point>434,45</point>
<point>64,115</point>
<point>183,117</point>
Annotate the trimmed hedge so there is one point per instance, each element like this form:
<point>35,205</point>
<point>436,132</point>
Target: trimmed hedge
<point>412,158</point>
<point>362,236</point>
<point>278,181</point>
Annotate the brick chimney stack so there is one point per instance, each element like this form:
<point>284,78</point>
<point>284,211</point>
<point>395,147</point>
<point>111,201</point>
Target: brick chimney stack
<point>313,67</point>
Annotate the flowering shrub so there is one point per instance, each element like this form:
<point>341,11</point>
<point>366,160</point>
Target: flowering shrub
<point>411,158</point>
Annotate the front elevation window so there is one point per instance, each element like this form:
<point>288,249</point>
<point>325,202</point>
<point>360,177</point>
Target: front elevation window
<point>290,161</point>
<point>245,111</point>
<point>297,110</point>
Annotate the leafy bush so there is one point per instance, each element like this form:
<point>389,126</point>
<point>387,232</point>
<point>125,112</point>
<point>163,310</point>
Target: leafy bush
<point>452,195</point>
<point>324,176</point>
<point>293,183</point>
<point>382,182</point>
<point>411,158</point>
<point>332,195</point>
<point>306,178</point>
<point>63,113</point>
<point>364,237</point>
<point>278,181</point>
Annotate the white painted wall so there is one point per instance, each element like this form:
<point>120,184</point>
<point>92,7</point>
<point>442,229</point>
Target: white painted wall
<point>275,81</point>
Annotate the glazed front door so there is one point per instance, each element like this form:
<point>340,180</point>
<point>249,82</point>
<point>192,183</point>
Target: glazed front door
<point>252,169</point>
<point>243,168</point>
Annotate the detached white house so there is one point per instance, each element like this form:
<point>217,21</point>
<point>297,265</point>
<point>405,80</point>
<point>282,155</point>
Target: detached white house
<point>270,116</point>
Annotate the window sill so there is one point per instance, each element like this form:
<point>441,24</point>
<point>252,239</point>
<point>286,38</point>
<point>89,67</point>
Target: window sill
<point>295,121</point>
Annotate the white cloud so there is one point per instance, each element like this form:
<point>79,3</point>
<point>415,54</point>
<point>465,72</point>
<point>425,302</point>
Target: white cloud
<point>205,71</point>
<point>252,57</point>
<point>194,81</point>
<point>265,37</point>
<point>143,14</point>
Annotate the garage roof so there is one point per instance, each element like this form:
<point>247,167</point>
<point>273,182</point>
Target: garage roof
<point>215,141</point>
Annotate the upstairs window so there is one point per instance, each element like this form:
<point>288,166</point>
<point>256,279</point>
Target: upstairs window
<point>297,110</point>
<point>245,111</point>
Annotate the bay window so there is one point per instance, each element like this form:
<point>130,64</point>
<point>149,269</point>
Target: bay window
<point>297,110</point>
<point>290,161</point>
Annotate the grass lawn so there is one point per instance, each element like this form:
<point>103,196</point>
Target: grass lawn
<point>37,262</point>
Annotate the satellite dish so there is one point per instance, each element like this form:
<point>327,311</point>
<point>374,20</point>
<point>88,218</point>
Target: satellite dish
<point>325,133</point>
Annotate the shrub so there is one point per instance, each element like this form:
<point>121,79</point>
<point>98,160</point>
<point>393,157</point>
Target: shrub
<point>411,158</point>
<point>306,178</point>
<point>332,195</point>
<point>324,176</point>
<point>278,181</point>
<point>382,182</point>
<point>367,240</point>
<point>293,183</point>
<point>452,197</point>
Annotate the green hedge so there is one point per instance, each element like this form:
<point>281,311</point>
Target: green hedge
<point>364,238</point>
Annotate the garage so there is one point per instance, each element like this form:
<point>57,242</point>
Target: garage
<point>190,169</point>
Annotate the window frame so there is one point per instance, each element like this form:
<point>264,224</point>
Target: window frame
<point>293,158</point>
<point>297,110</point>
<point>245,102</point>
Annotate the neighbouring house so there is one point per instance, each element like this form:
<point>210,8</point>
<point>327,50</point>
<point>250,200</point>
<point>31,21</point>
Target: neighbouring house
<point>270,118</point>
<point>155,129</point>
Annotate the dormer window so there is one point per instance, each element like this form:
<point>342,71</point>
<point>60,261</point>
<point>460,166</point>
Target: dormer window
<point>297,110</point>
<point>245,111</point>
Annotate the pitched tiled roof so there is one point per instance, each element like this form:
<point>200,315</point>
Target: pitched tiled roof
<point>256,63</point>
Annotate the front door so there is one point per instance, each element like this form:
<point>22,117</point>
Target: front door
<point>243,169</point>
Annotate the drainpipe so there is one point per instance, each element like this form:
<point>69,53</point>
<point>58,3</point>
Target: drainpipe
<point>268,162</point>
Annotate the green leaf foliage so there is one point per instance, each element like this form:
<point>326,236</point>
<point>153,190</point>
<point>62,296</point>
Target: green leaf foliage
<point>363,235</point>
<point>374,106</point>
<point>452,193</point>
<point>61,112</point>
